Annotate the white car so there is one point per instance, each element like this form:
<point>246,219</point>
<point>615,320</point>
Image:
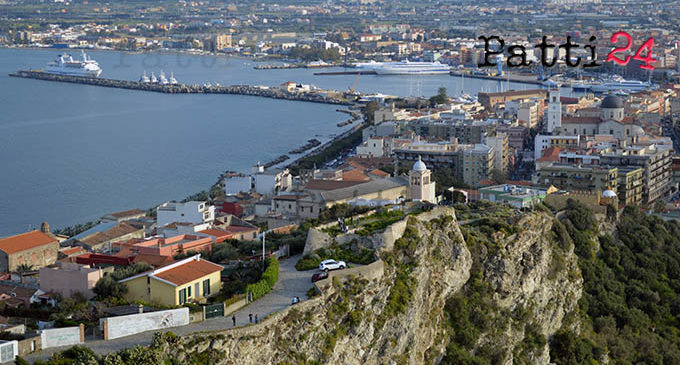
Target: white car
<point>328,265</point>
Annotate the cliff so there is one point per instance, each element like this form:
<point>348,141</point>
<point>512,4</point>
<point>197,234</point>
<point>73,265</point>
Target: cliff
<point>492,291</point>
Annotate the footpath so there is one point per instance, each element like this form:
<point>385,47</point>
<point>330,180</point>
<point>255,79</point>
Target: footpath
<point>291,283</point>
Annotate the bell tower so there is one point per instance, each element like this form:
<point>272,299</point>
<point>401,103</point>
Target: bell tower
<point>421,185</point>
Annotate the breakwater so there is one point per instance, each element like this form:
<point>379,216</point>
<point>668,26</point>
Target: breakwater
<point>508,77</point>
<point>262,91</point>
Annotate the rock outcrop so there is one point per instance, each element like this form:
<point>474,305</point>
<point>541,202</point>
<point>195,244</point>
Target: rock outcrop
<point>400,318</point>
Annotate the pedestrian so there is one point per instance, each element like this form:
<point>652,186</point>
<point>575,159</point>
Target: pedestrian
<point>256,318</point>
<point>250,317</point>
<point>233,319</point>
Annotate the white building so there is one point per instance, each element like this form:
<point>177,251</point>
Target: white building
<point>554,115</point>
<point>542,142</point>
<point>270,182</point>
<point>421,186</point>
<point>189,212</point>
<point>373,147</point>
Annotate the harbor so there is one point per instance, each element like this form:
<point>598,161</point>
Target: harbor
<point>506,77</point>
<point>261,91</point>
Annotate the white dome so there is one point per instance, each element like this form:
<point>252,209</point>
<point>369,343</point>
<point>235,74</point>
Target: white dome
<point>608,194</point>
<point>419,166</point>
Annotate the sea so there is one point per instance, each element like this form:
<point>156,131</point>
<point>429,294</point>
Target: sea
<point>72,153</point>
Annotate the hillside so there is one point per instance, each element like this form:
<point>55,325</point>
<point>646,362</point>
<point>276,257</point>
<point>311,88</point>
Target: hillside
<point>506,288</point>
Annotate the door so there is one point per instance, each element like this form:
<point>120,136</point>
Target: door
<point>197,294</point>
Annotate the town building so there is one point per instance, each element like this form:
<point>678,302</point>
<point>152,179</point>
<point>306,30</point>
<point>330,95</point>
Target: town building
<point>630,185</point>
<point>516,196</point>
<point>69,278</point>
<point>100,237</point>
<point>123,216</point>
<point>190,280</point>
<point>654,160</point>
<point>189,212</point>
<point>33,248</point>
<point>578,178</point>
<point>501,150</point>
<point>493,100</point>
<point>554,115</point>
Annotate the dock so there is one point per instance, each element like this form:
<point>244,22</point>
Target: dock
<point>512,78</point>
<point>329,73</point>
<point>261,91</point>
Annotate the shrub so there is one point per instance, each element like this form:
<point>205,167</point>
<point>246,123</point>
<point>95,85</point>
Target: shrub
<point>268,280</point>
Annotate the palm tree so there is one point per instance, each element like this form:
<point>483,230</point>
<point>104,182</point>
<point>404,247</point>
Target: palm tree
<point>22,269</point>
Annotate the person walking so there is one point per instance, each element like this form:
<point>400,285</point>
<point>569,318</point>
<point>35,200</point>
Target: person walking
<point>256,318</point>
<point>233,319</point>
<point>250,317</point>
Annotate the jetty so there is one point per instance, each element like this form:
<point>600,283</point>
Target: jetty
<point>505,78</point>
<point>331,73</point>
<point>261,91</point>
<point>308,146</point>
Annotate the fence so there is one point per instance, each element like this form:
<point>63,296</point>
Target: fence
<point>67,336</point>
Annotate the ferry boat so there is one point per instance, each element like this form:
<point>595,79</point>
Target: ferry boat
<point>624,85</point>
<point>412,68</point>
<point>66,65</point>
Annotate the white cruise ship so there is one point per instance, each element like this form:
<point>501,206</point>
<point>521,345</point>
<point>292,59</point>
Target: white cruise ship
<point>411,68</point>
<point>628,86</point>
<point>66,65</point>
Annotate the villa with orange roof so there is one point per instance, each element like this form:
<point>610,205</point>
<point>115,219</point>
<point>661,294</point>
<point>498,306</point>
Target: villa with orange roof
<point>190,280</point>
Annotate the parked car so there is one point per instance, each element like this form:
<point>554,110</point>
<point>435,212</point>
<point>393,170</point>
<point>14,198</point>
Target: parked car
<point>319,276</point>
<point>327,265</point>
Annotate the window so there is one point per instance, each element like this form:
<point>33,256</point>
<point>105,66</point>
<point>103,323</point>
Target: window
<point>206,287</point>
<point>182,296</point>
<point>189,291</point>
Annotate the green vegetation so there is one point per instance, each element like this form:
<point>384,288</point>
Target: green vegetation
<point>109,287</point>
<point>440,98</point>
<point>268,280</point>
<point>76,229</point>
<point>350,252</point>
<point>330,153</point>
<point>369,110</point>
<point>379,221</point>
<point>631,287</point>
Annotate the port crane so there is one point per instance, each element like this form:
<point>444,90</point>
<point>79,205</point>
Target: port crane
<point>352,88</point>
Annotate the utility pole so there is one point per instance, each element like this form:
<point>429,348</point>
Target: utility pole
<point>263,235</point>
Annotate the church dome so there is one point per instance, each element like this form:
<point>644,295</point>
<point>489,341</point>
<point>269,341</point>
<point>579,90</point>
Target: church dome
<point>419,166</point>
<point>638,131</point>
<point>612,102</point>
<point>608,194</point>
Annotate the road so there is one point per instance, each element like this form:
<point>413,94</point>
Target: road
<point>291,283</point>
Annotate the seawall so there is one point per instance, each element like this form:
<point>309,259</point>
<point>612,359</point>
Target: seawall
<point>266,92</point>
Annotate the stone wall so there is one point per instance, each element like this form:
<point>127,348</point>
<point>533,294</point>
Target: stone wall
<point>30,345</point>
<point>373,271</point>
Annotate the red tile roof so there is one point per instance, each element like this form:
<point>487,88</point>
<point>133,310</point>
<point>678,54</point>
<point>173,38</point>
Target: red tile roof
<point>25,241</point>
<point>188,272</point>
<point>153,260</point>
<point>220,235</point>
<point>330,184</point>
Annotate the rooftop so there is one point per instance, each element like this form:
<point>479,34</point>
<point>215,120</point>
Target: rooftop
<point>25,241</point>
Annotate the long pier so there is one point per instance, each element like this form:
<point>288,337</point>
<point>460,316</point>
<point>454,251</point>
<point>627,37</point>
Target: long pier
<point>249,90</point>
<point>510,77</point>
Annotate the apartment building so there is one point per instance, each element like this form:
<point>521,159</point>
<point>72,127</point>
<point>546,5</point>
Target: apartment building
<point>578,178</point>
<point>654,160</point>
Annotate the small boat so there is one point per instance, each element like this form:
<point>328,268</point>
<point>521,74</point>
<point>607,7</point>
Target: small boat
<point>153,80</point>
<point>144,78</point>
<point>172,79</point>
<point>162,79</point>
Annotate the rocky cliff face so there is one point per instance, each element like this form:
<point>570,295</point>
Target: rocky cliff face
<point>407,315</point>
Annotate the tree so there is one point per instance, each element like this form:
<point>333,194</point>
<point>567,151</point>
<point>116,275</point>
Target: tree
<point>440,98</point>
<point>659,206</point>
<point>498,176</point>
<point>107,287</point>
<point>369,110</point>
